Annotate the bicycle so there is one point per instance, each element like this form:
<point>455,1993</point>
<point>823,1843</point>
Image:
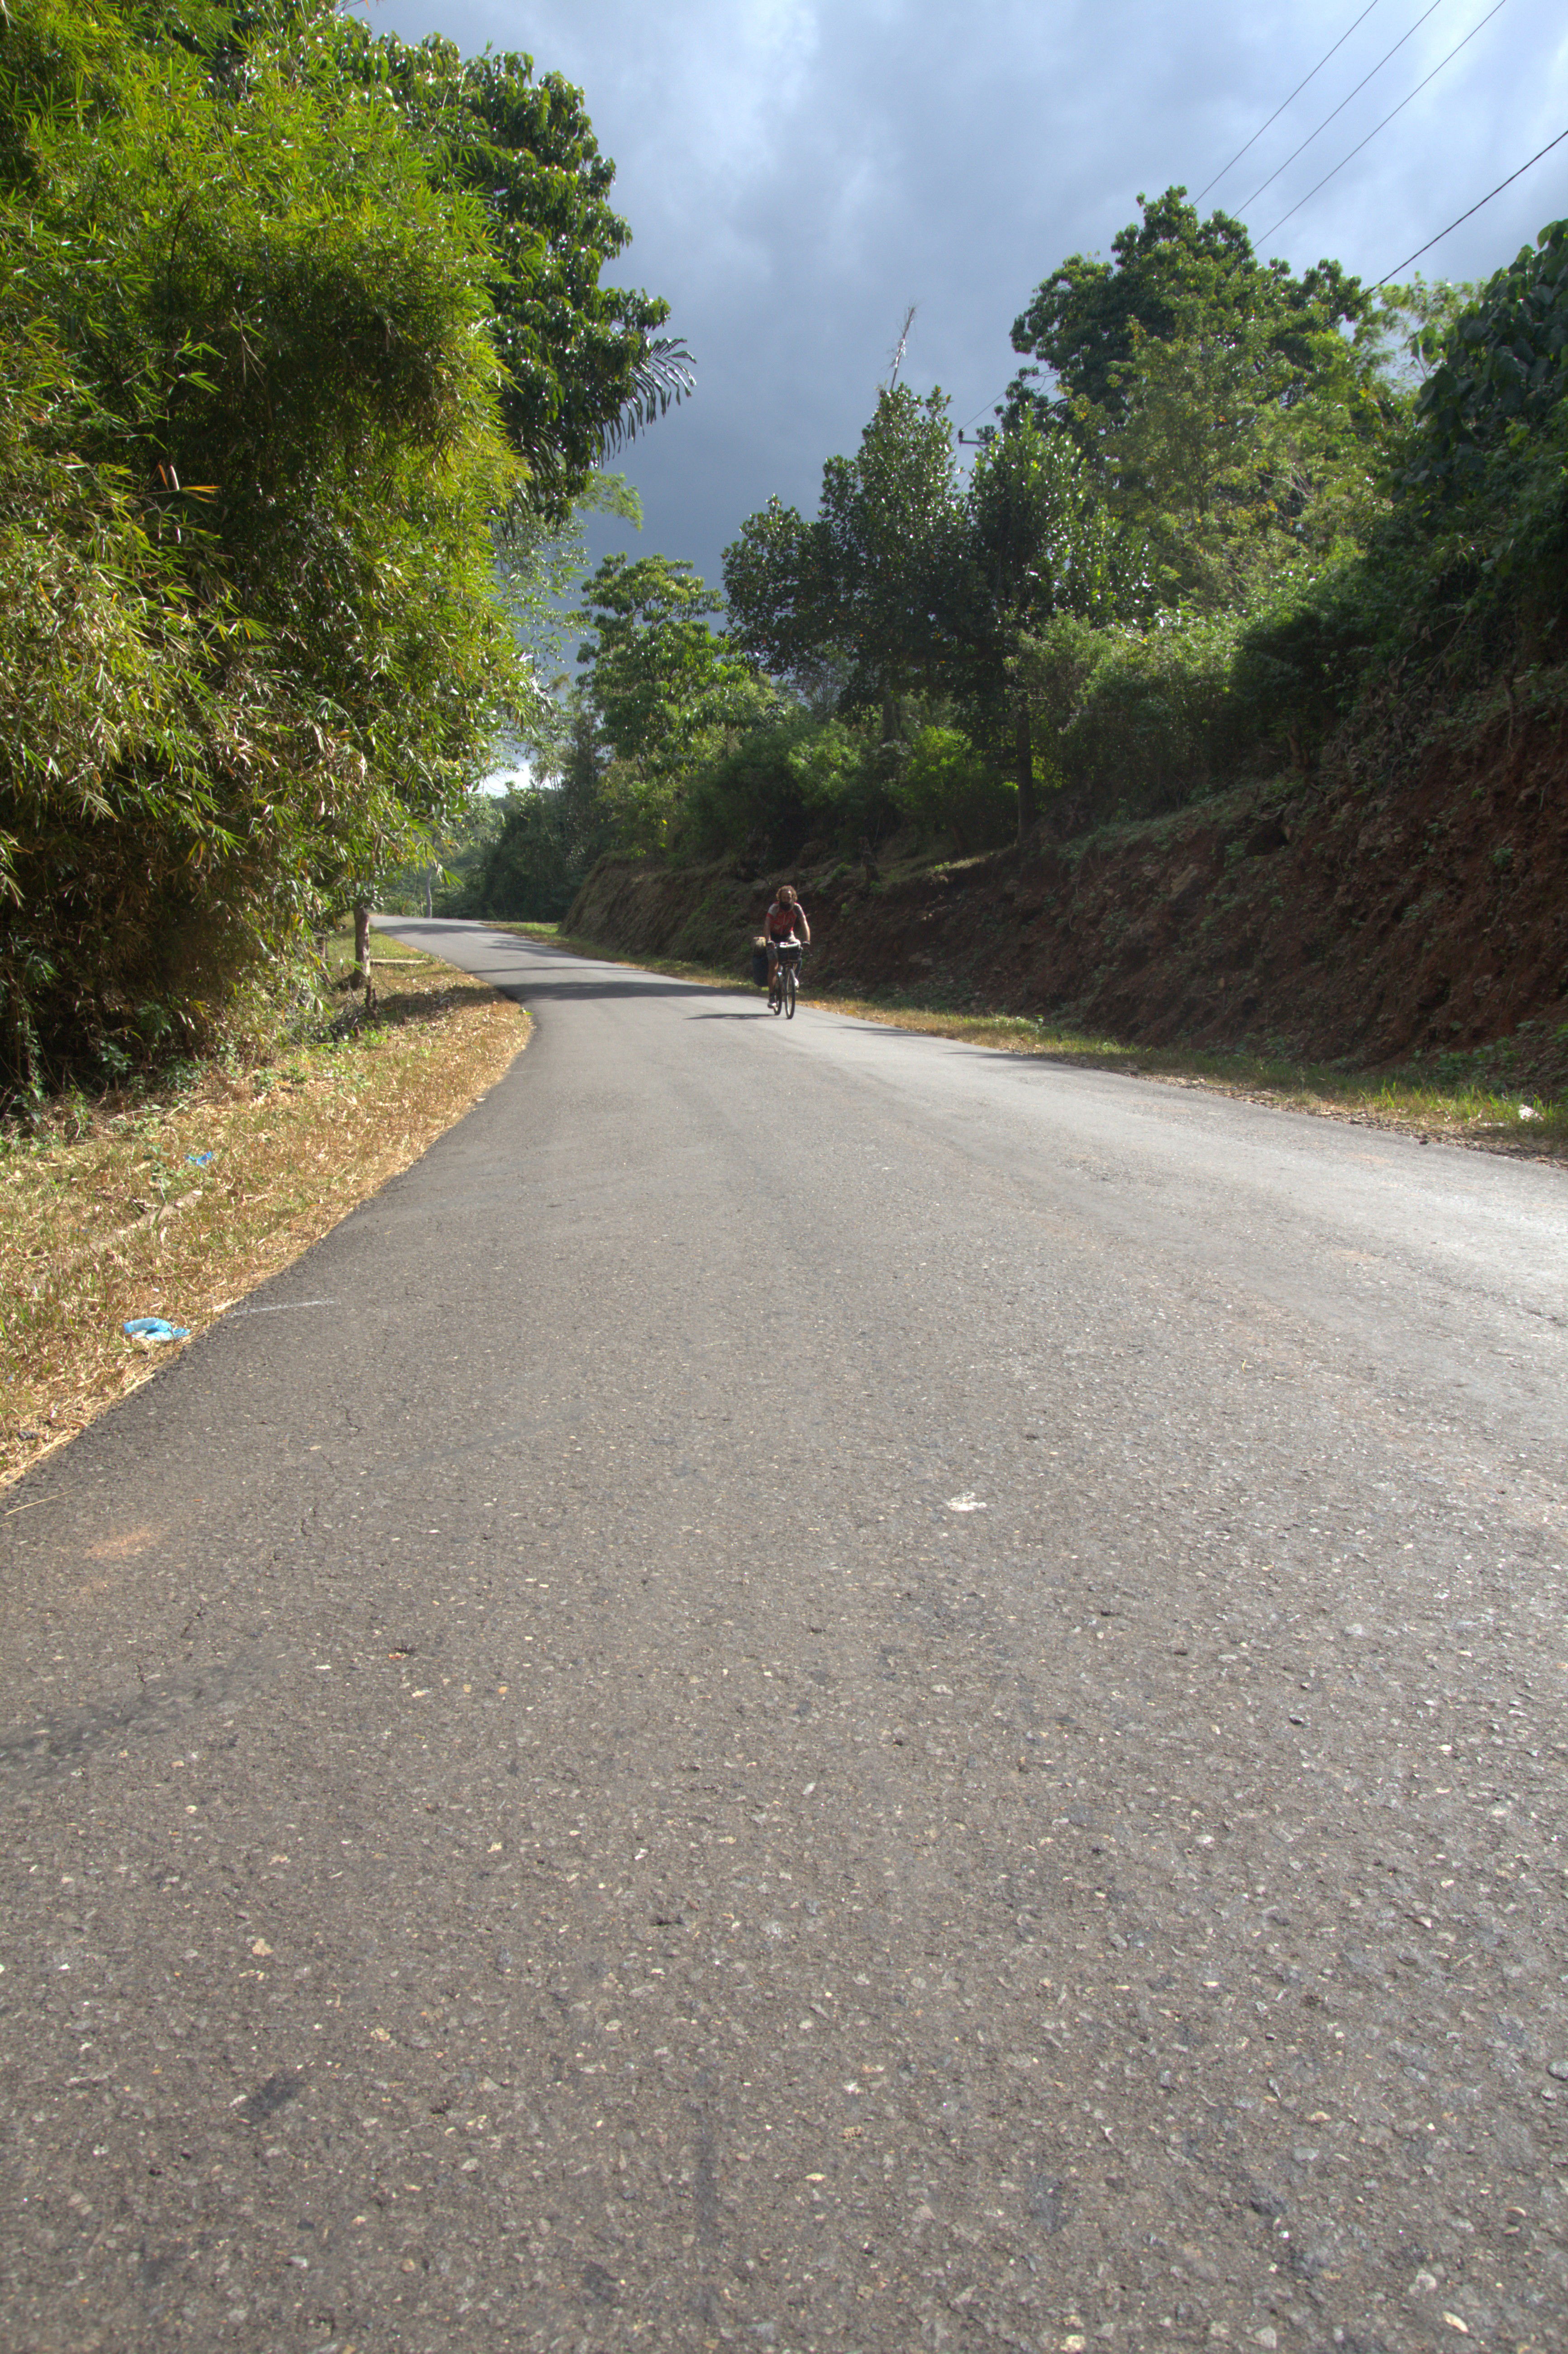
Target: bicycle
<point>786,979</point>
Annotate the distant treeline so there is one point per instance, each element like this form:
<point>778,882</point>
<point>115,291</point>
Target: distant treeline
<point>1230,523</point>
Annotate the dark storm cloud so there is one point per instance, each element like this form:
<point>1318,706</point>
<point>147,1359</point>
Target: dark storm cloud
<point>797,173</point>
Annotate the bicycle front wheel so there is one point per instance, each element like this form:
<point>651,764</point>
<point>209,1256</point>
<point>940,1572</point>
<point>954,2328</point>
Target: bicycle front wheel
<point>788,977</point>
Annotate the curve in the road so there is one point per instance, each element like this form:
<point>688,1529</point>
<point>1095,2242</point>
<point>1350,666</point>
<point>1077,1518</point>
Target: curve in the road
<point>841,1692</point>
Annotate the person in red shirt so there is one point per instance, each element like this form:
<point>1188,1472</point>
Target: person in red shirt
<point>785,920</point>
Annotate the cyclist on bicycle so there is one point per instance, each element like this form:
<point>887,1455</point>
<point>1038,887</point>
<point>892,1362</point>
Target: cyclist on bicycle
<point>785,920</point>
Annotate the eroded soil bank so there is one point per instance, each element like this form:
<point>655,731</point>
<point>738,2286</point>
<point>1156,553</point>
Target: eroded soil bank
<point>1417,921</point>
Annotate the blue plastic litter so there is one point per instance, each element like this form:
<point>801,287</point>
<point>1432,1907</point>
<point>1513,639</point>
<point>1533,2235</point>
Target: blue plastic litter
<point>155,1328</point>
<point>199,1159</point>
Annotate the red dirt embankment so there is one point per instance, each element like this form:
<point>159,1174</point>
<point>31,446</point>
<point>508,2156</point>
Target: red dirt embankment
<point>1372,926</point>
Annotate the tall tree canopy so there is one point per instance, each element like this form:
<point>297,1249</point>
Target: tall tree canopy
<point>582,364</point>
<point>1235,414</point>
<point>856,589</point>
<point>255,453</point>
<point>1038,542</point>
<point>1172,273</point>
<point>909,579</point>
<point>1504,365</point>
<point>659,682</point>
<point>1217,502</point>
<point>1234,461</point>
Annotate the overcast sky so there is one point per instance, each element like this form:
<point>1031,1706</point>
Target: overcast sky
<point>797,173</point>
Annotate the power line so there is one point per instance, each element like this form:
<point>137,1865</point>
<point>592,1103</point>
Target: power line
<point>985,405</point>
<point>1474,209</point>
<point>1341,106</point>
<point>1294,94</point>
<point>1384,124</point>
<point>1420,86</point>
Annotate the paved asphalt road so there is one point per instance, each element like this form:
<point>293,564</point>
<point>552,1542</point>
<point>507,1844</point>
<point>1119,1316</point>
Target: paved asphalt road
<point>814,1690</point>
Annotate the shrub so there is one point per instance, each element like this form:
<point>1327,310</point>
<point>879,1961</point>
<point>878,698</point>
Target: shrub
<point>775,787</point>
<point>945,788</point>
<point>1150,728</point>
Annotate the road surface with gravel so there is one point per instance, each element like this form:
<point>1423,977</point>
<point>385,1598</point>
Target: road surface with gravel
<point>815,1689</point>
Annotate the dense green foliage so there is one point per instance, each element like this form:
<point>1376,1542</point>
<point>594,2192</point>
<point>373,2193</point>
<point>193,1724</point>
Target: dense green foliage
<point>662,690</point>
<point>1464,579</point>
<point>1172,275</point>
<point>277,380</point>
<point>852,593</point>
<point>305,363</point>
<point>1505,367</point>
<point>581,365</point>
<point>1248,522</point>
<point>656,668</point>
<point>1038,547</point>
<point>911,588</point>
<point>1336,554</point>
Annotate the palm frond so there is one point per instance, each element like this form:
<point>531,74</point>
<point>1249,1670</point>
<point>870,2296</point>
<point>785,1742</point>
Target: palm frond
<point>665,375</point>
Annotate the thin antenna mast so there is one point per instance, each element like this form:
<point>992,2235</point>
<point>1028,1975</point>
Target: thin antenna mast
<point>902,345</point>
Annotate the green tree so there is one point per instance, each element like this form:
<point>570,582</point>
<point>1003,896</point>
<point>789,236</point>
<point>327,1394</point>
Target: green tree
<point>857,588</point>
<point>1141,715</point>
<point>587,818</point>
<point>947,788</point>
<point>655,669</point>
<point>529,873</point>
<point>789,780</point>
<point>1232,460</point>
<point>253,332</point>
<point>1039,542</point>
<point>1503,369</point>
<point>583,366</point>
<point>304,359</point>
<point>911,582</point>
<point>1172,274</point>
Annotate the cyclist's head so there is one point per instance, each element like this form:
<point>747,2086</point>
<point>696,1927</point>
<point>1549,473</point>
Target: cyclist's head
<point>786,894</point>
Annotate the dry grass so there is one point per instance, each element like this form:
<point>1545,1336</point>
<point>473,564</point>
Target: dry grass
<point>107,1214</point>
<point>1463,1109</point>
<point>1459,1113</point>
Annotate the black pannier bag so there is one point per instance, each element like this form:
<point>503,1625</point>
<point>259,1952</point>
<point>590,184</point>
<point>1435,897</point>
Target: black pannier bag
<point>759,963</point>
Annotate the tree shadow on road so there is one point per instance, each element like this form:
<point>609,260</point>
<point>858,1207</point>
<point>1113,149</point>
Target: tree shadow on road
<point>576,978</point>
<point>535,987</point>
